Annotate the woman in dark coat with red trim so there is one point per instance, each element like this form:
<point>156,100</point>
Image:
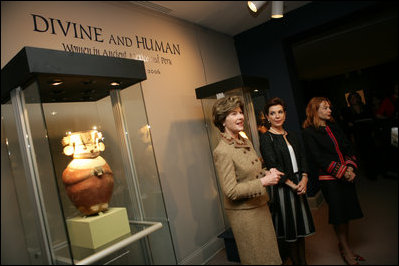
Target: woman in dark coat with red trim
<point>331,151</point>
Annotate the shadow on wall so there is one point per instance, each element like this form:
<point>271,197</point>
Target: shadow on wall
<point>190,189</point>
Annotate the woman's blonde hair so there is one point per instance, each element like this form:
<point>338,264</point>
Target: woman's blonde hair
<point>312,117</point>
<point>223,107</point>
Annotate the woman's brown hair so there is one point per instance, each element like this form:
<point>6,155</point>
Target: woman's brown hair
<point>223,107</point>
<point>312,118</point>
<point>272,102</point>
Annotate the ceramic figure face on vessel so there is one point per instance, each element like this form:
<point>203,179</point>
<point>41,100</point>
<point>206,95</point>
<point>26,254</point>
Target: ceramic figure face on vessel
<point>88,179</point>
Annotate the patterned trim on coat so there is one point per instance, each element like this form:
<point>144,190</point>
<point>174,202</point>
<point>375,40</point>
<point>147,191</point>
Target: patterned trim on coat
<point>239,143</point>
<point>351,161</point>
<point>330,134</point>
<point>326,177</point>
<point>337,169</point>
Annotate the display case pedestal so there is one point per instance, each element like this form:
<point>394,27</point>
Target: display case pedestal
<point>95,231</point>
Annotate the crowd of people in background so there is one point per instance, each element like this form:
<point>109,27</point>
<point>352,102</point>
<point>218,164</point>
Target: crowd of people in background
<point>368,124</point>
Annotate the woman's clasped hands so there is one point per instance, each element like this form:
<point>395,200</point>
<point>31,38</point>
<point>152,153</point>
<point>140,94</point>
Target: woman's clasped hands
<point>349,174</point>
<point>301,187</point>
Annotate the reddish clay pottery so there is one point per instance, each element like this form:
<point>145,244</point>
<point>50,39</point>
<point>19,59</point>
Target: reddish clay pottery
<point>88,178</point>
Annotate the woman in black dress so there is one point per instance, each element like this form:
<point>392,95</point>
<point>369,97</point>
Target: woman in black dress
<point>331,151</point>
<point>291,215</point>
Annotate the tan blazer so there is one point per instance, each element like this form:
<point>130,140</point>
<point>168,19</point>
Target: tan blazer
<point>239,169</point>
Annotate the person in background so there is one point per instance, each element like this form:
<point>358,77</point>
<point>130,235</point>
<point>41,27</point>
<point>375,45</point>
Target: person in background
<point>291,214</point>
<point>358,118</point>
<point>388,108</point>
<point>387,118</point>
<point>261,123</point>
<point>243,181</point>
<point>328,146</point>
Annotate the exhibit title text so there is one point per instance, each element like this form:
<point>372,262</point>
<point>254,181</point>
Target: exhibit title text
<point>95,34</point>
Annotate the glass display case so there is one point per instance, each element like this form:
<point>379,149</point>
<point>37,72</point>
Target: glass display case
<point>253,90</point>
<point>81,157</point>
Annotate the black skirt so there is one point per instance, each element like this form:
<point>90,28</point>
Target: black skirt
<point>342,200</point>
<point>291,214</point>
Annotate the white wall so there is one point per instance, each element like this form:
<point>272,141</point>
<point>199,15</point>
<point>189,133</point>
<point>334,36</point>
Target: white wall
<point>175,115</point>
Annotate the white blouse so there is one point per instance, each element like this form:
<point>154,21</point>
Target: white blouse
<point>293,158</point>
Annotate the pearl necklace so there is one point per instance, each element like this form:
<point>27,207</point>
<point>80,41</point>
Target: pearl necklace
<point>273,130</point>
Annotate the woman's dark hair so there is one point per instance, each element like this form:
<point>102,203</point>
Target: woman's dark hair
<point>272,102</point>
<point>223,107</point>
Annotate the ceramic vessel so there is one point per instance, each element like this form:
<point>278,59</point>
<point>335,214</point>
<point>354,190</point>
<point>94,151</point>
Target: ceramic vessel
<point>88,178</point>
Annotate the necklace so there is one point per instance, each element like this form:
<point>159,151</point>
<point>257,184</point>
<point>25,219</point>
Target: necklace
<point>275,131</point>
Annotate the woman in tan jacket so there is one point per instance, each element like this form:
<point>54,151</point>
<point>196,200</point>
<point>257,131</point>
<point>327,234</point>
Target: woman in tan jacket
<point>243,183</point>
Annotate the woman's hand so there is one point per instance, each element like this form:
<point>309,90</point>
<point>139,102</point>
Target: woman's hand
<point>302,185</point>
<point>271,178</point>
<point>349,174</point>
<point>291,184</point>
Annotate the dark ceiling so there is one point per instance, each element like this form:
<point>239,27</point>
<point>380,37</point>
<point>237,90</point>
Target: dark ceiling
<point>366,39</point>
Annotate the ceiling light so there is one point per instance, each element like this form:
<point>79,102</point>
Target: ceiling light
<point>256,5</point>
<point>56,82</point>
<point>277,9</point>
<point>115,83</point>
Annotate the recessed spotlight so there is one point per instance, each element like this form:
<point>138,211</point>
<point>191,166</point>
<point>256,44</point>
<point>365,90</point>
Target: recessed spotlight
<point>56,82</point>
<point>115,83</point>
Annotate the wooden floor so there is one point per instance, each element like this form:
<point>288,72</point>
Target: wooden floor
<point>374,237</point>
